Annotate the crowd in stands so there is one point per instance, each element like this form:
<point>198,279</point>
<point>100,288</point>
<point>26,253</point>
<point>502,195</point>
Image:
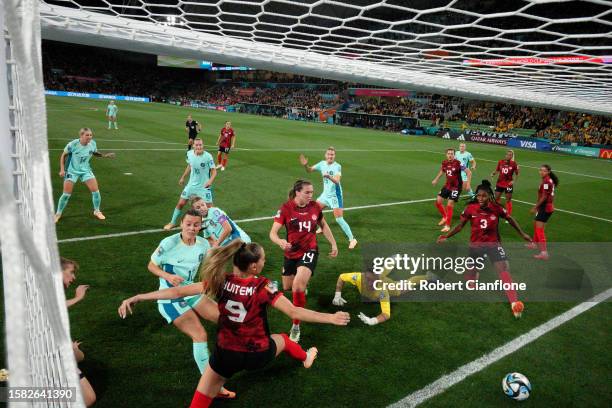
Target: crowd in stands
<point>69,67</point>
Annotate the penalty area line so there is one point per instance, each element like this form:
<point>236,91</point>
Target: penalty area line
<point>151,231</point>
<point>445,382</point>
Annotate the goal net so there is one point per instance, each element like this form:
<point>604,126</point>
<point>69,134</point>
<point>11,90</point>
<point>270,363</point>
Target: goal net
<point>549,53</point>
<point>38,347</point>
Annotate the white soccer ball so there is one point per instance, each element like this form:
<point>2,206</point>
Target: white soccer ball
<point>516,386</point>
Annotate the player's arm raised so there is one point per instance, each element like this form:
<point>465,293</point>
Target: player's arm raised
<point>185,173</point>
<point>276,239</point>
<point>285,306</point>
<point>330,237</point>
<point>174,280</point>
<point>304,163</point>
<point>170,293</point>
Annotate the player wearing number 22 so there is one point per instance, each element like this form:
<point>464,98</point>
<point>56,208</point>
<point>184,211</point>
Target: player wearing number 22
<point>451,191</point>
<point>484,213</point>
<point>300,215</point>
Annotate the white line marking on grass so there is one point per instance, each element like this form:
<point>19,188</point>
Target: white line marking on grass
<point>448,380</point>
<point>567,211</point>
<point>150,231</point>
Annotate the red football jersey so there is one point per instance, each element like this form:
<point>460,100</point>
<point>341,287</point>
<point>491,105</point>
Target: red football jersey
<point>301,224</point>
<point>452,169</point>
<point>547,189</point>
<point>506,170</point>
<point>243,318</point>
<point>484,221</point>
<point>226,137</point>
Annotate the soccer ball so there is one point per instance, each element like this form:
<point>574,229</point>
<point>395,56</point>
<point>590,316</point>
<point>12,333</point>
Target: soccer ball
<point>516,386</point>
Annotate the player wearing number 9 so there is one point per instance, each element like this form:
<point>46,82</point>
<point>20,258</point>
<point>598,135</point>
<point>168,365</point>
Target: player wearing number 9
<point>484,213</point>
<point>300,215</point>
<point>243,340</point>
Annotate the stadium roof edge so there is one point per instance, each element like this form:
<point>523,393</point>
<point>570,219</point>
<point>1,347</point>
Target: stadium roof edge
<point>97,29</point>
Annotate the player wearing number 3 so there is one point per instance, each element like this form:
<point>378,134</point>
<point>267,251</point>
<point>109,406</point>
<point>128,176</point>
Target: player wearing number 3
<point>451,191</point>
<point>300,215</point>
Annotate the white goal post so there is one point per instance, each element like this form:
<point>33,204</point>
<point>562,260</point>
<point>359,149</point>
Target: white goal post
<point>38,345</point>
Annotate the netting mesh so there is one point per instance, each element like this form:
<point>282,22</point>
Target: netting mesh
<point>39,353</point>
<point>555,47</point>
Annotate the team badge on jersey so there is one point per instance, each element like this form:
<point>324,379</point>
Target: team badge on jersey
<point>314,217</point>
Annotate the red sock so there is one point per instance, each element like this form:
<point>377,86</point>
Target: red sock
<point>470,276</point>
<point>225,161</point>
<point>200,400</point>
<point>293,349</point>
<point>510,293</point>
<point>449,215</point>
<point>219,158</point>
<point>509,207</point>
<point>541,239</point>
<point>299,300</point>
<point>440,208</point>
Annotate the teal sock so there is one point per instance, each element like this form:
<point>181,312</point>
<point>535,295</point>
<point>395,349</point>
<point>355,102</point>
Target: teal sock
<point>110,124</point>
<point>200,355</point>
<point>116,127</point>
<point>345,227</point>
<point>175,216</point>
<point>96,199</point>
<point>61,204</point>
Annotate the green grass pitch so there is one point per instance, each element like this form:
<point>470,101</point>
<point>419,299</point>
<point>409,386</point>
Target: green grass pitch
<point>142,362</point>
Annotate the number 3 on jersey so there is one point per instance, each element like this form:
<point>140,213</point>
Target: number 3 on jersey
<point>236,308</point>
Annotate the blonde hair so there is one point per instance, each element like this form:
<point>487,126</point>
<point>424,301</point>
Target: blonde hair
<point>85,129</point>
<point>332,148</point>
<point>215,267</point>
<point>511,151</point>
<point>65,262</point>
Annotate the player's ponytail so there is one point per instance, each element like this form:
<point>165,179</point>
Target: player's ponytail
<point>298,186</point>
<point>552,175</point>
<point>214,268</point>
<point>512,153</point>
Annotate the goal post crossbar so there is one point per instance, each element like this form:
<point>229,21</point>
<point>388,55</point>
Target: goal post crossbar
<point>96,29</point>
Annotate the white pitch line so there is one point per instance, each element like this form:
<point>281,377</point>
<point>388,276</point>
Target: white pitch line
<point>448,380</point>
<point>567,211</point>
<point>150,231</point>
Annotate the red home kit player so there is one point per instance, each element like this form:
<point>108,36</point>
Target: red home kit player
<point>451,191</point>
<point>300,215</point>
<point>543,209</point>
<point>226,142</point>
<point>508,172</point>
<point>484,213</point>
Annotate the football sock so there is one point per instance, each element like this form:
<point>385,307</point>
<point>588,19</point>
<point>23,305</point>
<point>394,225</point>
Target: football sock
<point>200,355</point>
<point>470,276</point>
<point>449,215</point>
<point>225,161</point>
<point>541,239</point>
<point>175,216</point>
<point>110,124</point>
<point>293,349</point>
<point>440,208</point>
<point>299,300</point>
<point>219,158</point>
<point>63,201</point>
<point>509,207</point>
<point>345,227</point>
<point>116,127</point>
<point>200,400</point>
<point>510,293</point>
<point>96,199</point>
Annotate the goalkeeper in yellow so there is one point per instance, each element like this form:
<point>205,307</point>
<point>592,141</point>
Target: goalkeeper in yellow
<point>366,289</point>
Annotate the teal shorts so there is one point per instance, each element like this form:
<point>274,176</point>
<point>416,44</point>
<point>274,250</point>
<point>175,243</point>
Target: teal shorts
<point>464,176</point>
<point>205,194</point>
<point>331,201</point>
<point>75,176</point>
<point>177,307</point>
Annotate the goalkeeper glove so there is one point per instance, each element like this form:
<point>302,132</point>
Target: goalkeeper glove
<point>338,301</point>
<point>370,321</point>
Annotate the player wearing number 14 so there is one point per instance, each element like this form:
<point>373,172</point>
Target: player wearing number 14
<point>300,215</point>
